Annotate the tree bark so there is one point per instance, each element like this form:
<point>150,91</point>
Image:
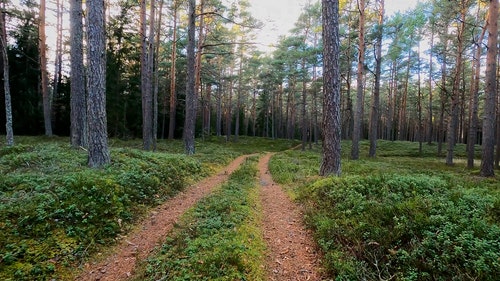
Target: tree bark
<point>152,75</point>
<point>430,122</point>
<point>156,72</point>
<point>190,120</point>
<point>6,80</point>
<point>331,163</point>
<point>96,83</point>
<point>58,52</point>
<point>146,93</point>
<point>46,99</point>
<point>358,118</point>
<point>474,102</point>
<point>497,159</point>
<point>489,118</point>
<point>173,94</point>
<point>443,95</point>
<point>403,122</point>
<point>455,98</point>
<point>78,98</point>
<point>374,118</point>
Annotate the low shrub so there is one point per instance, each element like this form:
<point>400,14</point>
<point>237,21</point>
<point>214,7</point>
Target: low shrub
<point>411,227</point>
<point>54,211</point>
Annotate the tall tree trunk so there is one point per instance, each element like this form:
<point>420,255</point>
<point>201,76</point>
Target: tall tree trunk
<point>305,128</point>
<point>331,163</point>
<point>474,101</point>
<point>96,106</point>
<point>46,99</point>
<point>455,98</point>
<point>254,112</point>
<point>218,123</point>
<point>430,122</point>
<point>153,70</point>
<point>58,51</point>
<point>229,105</point>
<point>206,109</point>
<point>374,118</point>
<point>173,94</point>
<point>497,159</point>
<point>238,98</point>
<point>157,77</point>
<point>146,90</point>
<point>358,113</point>
<point>6,80</point>
<point>78,96</point>
<point>443,95</point>
<point>391,96</point>
<point>190,119</point>
<point>199,48</point>
<point>403,125</point>
<point>489,118</point>
<point>420,127</point>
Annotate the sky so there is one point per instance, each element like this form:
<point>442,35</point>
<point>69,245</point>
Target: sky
<point>279,16</point>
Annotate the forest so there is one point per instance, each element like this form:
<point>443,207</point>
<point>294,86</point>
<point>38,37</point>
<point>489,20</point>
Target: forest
<point>415,76</point>
<point>384,129</point>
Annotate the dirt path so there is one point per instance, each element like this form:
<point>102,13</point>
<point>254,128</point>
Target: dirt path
<point>137,245</point>
<point>292,252</point>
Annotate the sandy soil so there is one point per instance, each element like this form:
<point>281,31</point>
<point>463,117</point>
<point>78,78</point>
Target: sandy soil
<point>292,253</point>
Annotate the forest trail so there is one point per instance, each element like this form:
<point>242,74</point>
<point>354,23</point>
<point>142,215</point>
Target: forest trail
<point>292,253</point>
<point>138,245</point>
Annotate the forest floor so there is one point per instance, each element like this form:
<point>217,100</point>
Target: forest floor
<point>291,252</point>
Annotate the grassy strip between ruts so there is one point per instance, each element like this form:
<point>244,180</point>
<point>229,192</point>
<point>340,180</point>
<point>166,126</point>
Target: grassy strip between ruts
<point>218,239</point>
<point>398,217</point>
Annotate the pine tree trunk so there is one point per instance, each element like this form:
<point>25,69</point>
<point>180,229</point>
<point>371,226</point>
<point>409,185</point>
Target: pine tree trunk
<point>403,125</point>
<point>173,94</point>
<point>58,53</point>
<point>474,102</point>
<point>6,80</point>
<point>420,126</point>
<point>190,119</point>
<point>78,96</point>
<point>358,113</point>
<point>489,118</point>
<point>331,163</point>
<point>374,118</point>
<point>96,105</point>
<point>455,98</point>
<point>497,159</point>
<point>146,90</point>
<point>46,99</point>
<point>157,77</point>
<point>430,117</point>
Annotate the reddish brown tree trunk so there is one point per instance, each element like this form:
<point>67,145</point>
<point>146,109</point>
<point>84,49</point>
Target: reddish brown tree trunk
<point>331,163</point>
<point>358,113</point>
<point>489,118</point>
<point>96,105</point>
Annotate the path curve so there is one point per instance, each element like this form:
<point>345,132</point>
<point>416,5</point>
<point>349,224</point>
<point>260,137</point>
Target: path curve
<point>151,233</point>
<point>292,253</point>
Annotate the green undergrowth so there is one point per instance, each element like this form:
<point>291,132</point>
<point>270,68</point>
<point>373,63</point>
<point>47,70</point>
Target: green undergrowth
<point>55,212</point>
<point>218,239</point>
<point>398,216</point>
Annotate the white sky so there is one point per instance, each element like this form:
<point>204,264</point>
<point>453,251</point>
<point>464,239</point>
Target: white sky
<point>279,16</point>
